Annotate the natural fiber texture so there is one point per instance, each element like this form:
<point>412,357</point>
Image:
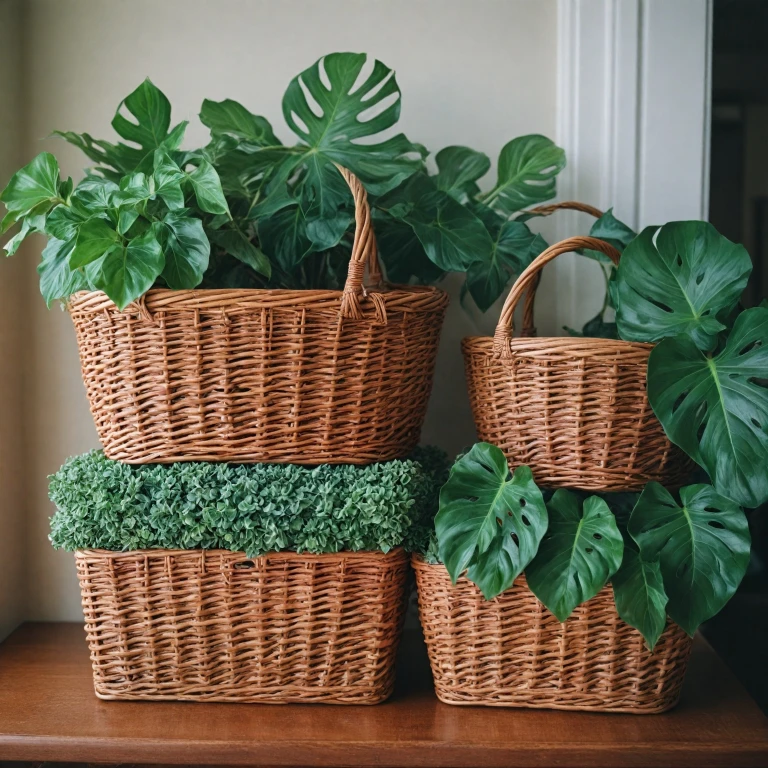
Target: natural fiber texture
<point>309,377</point>
<point>214,626</point>
<point>512,652</point>
<point>575,410</point>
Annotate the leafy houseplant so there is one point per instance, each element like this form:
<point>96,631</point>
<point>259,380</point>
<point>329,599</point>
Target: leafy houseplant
<point>247,211</point>
<point>682,554</point>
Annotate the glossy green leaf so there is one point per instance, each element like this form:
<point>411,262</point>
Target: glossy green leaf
<point>716,409</point>
<point>94,238</point>
<point>638,590</point>
<point>186,250</point>
<point>580,552</point>
<point>681,278</point>
<point>452,236</point>
<point>35,185</point>
<point>63,223</point>
<point>596,328</point>
<point>402,254</point>
<point>702,545</point>
<point>488,524</point>
<point>237,244</point>
<point>459,169</point>
<point>613,231</point>
<point>528,166</point>
<point>93,195</point>
<point>331,120</point>
<point>126,273</point>
<point>283,237</point>
<point>168,178</point>
<point>207,187</point>
<point>229,118</point>
<point>57,279</point>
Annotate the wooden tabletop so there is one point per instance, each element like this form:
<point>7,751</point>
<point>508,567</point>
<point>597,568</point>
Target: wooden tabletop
<point>48,712</point>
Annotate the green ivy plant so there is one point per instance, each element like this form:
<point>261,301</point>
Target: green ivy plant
<point>247,211</point>
<point>683,559</point>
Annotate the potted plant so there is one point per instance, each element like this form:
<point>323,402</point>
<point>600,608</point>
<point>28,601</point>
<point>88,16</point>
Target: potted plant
<point>607,572</point>
<point>226,283</point>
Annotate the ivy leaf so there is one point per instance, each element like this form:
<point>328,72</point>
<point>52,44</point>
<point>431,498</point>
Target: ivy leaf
<point>638,590</point>
<point>239,245</point>
<point>342,114</point>
<point>186,250</point>
<point>702,547</point>
<point>229,118</point>
<point>488,523</point>
<point>57,279</point>
<point>716,408</point>
<point>94,238</point>
<point>93,195</point>
<point>126,273</point>
<point>452,236</point>
<point>686,281</point>
<point>63,223</point>
<point>528,166</point>
<point>31,223</point>
<point>168,177</point>
<point>207,187</point>
<point>580,552</point>
<point>459,168</point>
<point>35,186</point>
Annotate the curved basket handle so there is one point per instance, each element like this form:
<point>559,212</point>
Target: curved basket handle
<point>566,205</point>
<point>527,282</point>
<point>364,251</point>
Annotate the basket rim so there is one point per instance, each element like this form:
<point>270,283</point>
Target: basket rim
<point>395,554</point>
<point>158,299</point>
<point>572,343</point>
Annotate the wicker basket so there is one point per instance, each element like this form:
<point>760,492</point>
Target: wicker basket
<point>309,377</point>
<point>575,410</point>
<point>512,652</point>
<point>215,626</point>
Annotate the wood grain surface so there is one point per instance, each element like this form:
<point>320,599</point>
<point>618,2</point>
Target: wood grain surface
<point>48,712</point>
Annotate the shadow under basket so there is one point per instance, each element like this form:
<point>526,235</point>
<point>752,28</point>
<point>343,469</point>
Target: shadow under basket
<point>213,625</point>
<point>512,652</point>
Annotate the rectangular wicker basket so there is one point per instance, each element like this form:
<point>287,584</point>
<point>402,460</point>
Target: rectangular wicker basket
<point>512,652</point>
<point>213,625</point>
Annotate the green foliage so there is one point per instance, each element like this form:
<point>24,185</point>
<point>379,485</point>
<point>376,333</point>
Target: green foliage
<point>701,545</point>
<point>716,407</point>
<point>581,550</point>
<point>252,508</point>
<point>247,211</point>
<point>489,523</point>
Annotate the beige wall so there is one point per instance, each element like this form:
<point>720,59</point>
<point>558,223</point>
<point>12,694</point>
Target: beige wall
<point>475,73</point>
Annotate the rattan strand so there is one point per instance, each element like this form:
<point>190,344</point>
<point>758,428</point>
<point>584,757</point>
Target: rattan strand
<point>216,626</point>
<point>575,410</point>
<point>512,652</point>
<point>308,377</point>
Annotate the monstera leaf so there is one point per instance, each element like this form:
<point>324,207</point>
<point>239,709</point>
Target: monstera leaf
<point>229,118</point>
<point>513,248</point>
<point>613,231</point>
<point>638,590</point>
<point>681,278</point>
<point>528,166</point>
<point>716,408</point>
<point>335,118</point>
<point>581,550</point>
<point>489,524</point>
<point>459,168</point>
<point>702,546</point>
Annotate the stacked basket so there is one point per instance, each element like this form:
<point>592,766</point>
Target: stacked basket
<point>309,377</point>
<point>575,411</point>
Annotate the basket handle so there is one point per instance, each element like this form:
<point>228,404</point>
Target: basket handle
<point>565,205</point>
<point>527,282</point>
<point>364,251</point>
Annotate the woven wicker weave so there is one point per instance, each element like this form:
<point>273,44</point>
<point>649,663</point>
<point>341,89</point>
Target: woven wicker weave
<point>512,652</point>
<point>308,377</point>
<point>575,410</point>
<point>216,626</point>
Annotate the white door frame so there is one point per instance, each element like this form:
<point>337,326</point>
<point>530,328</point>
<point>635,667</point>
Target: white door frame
<point>634,108</point>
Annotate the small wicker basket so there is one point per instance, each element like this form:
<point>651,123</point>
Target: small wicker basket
<point>308,377</point>
<point>202,625</point>
<point>512,652</point>
<point>575,410</point>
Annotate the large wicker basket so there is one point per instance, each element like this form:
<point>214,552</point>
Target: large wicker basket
<point>216,626</point>
<point>575,410</point>
<point>512,652</point>
<point>310,377</point>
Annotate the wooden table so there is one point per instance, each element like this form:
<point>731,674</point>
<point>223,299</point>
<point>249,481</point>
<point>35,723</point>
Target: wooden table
<point>48,712</point>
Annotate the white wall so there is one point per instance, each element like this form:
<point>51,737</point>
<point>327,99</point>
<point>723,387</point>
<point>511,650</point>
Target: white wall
<point>475,73</point>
